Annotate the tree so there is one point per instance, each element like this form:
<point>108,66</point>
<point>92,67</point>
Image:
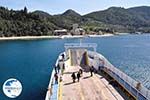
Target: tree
<point>25,10</point>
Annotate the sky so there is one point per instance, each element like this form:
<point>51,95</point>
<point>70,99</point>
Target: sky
<point>80,6</point>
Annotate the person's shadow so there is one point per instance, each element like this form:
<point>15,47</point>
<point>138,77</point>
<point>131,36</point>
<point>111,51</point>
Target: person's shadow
<point>86,77</point>
<point>69,83</point>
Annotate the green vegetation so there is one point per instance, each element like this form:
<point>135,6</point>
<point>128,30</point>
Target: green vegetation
<point>37,23</point>
<point>124,20</point>
<point>21,23</point>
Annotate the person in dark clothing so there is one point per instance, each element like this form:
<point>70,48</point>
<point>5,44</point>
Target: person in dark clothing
<point>56,78</point>
<point>73,77</point>
<point>92,70</point>
<point>63,68</point>
<point>81,71</point>
<point>55,69</point>
<point>58,68</point>
<point>63,56</point>
<point>78,76</point>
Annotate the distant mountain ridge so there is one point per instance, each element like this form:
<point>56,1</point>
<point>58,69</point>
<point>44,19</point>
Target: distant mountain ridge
<point>121,16</point>
<point>111,20</point>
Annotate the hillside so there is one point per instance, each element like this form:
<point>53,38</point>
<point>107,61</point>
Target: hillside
<point>132,19</point>
<point>111,20</point>
<point>66,19</point>
<point>22,23</point>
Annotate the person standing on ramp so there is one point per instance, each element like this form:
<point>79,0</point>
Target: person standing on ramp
<point>78,76</point>
<point>73,77</point>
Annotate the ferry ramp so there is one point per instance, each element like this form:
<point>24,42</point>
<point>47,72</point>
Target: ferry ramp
<point>88,88</point>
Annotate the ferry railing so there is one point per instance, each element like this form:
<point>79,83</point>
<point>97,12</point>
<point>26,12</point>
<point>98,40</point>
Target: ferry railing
<point>51,82</point>
<point>140,93</point>
<point>80,45</point>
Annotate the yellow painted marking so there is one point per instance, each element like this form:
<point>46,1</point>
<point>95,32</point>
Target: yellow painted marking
<point>60,91</point>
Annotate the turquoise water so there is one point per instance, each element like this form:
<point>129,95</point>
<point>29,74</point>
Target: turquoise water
<point>31,62</point>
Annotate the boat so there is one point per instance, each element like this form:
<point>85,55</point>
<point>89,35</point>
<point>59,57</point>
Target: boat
<point>107,82</point>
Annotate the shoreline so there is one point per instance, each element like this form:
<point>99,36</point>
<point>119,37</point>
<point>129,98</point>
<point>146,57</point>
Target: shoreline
<point>104,35</point>
<point>28,38</point>
<point>51,37</point>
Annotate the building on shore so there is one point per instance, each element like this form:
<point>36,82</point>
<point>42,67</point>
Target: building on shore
<point>60,32</point>
<point>76,30</point>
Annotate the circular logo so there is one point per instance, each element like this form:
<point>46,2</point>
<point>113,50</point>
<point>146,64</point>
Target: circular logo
<point>12,88</point>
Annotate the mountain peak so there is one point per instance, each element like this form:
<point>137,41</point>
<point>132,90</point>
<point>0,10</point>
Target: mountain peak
<point>41,13</point>
<point>116,8</point>
<point>140,9</point>
<point>71,12</point>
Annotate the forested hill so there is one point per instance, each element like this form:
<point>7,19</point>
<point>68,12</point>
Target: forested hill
<point>22,23</point>
<point>37,23</point>
<point>122,20</point>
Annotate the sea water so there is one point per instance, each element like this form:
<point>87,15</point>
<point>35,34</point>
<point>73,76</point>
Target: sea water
<point>31,61</point>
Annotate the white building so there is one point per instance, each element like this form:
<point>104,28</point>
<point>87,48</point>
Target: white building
<point>60,32</point>
<point>77,31</point>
